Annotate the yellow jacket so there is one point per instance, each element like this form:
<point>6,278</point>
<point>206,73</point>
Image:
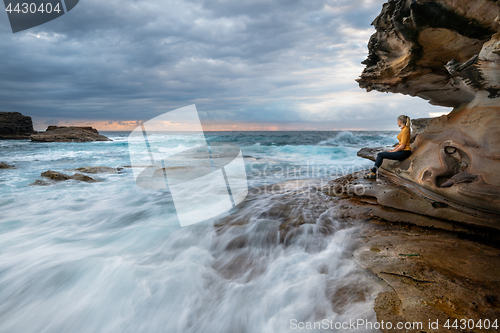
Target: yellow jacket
<point>404,137</point>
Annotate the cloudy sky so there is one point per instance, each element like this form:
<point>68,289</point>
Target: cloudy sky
<point>247,65</point>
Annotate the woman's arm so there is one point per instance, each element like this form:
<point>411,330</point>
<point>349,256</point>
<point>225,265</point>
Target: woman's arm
<point>405,134</point>
<point>400,147</point>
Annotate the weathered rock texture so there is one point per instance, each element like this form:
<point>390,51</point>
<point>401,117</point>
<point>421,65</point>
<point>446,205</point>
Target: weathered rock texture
<point>430,275</point>
<point>438,258</point>
<point>443,51</point>
<point>418,126</point>
<point>392,198</point>
<point>447,52</point>
<point>15,126</point>
<point>466,140</point>
<point>69,134</point>
<point>430,267</point>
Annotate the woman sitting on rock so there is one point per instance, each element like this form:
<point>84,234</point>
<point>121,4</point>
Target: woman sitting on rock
<point>401,152</point>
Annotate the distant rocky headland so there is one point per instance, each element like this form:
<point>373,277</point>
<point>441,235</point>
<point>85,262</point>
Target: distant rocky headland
<point>68,134</point>
<point>15,126</point>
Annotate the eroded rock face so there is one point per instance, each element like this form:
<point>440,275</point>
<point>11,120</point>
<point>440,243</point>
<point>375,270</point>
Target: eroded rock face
<point>448,278</point>
<point>391,198</point>
<point>458,157</point>
<point>69,134</point>
<point>15,126</point>
<point>418,126</point>
<point>446,51</point>
<point>443,51</point>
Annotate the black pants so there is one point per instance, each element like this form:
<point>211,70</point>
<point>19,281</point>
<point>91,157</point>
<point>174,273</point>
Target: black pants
<point>397,155</point>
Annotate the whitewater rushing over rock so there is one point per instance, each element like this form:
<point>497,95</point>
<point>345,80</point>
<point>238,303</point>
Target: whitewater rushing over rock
<point>109,256</point>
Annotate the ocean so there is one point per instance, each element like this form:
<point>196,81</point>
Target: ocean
<point>111,256</point>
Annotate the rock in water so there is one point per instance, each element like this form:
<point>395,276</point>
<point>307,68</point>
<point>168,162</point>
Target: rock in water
<point>15,126</point>
<point>69,134</point>
<point>6,166</point>
<point>40,182</point>
<point>58,176</point>
<point>82,178</point>
<point>54,175</point>
<point>98,169</point>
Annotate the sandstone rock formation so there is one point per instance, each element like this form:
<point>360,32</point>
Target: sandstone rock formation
<point>69,134</point>
<point>443,51</point>
<point>447,278</point>
<point>15,126</point>
<point>430,267</point>
<point>418,126</point>
<point>446,51</point>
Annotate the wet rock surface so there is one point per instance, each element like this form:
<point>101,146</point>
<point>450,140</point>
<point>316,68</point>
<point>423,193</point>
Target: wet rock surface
<point>434,218</point>
<point>15,126</point>
<point>439,259</point>
<point>432,266</point>
<point>6,166</point>
<point>69,134</point>
<point>54,176</point>
<point>447,278</point>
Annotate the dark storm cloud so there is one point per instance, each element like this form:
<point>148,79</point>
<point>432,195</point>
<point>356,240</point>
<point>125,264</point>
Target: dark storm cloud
<point>242,61</point>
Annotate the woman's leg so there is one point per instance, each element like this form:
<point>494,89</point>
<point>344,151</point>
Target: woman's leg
<point>397,155</point>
